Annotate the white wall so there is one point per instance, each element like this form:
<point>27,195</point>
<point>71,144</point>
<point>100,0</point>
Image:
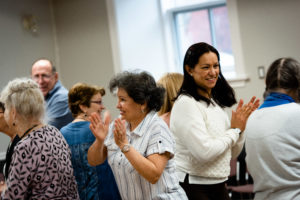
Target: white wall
<point>269,29</point>
<point>19,48</point>
<point>141,36</point>
<point>85,53</point>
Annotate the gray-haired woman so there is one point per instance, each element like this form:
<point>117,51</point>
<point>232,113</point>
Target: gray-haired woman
<point>41,163</point>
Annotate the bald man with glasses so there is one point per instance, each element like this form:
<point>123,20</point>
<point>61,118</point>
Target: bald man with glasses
<point>56,95</point>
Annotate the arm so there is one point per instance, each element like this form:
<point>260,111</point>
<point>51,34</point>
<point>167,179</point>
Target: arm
<point>252,105</point>
<point>151,167</point>
<point>97,152</point>
<point>241,114</point>
<point>201,130</point>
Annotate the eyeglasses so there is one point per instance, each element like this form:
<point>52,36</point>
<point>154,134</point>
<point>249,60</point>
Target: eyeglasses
<point>97,102</point>
<point>42,76</point>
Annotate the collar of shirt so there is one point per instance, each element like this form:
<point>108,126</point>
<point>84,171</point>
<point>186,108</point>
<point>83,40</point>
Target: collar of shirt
<point>143,126</point>
<point>55,88</point>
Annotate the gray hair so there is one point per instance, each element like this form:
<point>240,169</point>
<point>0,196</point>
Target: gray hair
<point>24,95</point>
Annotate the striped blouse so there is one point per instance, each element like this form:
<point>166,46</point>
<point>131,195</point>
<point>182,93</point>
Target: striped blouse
<point>151,136</point>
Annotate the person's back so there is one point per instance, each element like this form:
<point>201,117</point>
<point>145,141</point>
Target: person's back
<point>93,182</point>
<point>272,135</point>
<point>273,151</point>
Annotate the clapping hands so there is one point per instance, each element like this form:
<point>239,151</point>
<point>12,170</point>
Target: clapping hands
<point>98,126</point>
<point>240,115</point>
<point>120,133</point>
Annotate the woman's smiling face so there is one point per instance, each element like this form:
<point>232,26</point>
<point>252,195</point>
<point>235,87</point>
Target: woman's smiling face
<point>129,109</point>
<point>206,71</point>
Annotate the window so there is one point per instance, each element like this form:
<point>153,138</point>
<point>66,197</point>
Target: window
<point>192,21</point>
<point>158,42</point>
<point>210,25</point>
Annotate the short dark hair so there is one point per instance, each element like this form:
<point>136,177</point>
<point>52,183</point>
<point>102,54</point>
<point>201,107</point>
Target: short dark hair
<point>222,93</point>
<point>81,94</point>
<point>283,73</point>
<point>141,87</point>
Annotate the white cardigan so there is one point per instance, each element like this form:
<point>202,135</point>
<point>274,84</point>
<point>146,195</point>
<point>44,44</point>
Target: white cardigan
<point>205,142</point>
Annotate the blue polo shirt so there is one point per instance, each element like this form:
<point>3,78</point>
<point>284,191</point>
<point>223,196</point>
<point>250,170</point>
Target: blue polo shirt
<point>58,113</point>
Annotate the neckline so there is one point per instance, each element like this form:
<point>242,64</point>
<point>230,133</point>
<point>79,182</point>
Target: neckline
<point>28,130</point>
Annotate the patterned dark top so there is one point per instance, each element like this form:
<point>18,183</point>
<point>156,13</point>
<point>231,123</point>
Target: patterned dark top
<point>41,168</point>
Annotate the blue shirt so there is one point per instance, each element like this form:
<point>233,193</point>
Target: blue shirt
<point>93,182</point>
<point>151,136</point>
<point>58,113</point>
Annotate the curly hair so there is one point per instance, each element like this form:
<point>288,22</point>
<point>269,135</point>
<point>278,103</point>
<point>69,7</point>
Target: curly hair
<point>25,96</point>
<point>141,87</point>
<point>81,94</point>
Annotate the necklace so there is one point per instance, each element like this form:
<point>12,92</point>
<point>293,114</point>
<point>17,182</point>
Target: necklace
<point>28,131</point>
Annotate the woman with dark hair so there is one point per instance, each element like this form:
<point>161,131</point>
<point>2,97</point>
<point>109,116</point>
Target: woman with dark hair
<point>93,182</point>
<point>138,145</point>
<point>272,135</point>
<point>205,138</point>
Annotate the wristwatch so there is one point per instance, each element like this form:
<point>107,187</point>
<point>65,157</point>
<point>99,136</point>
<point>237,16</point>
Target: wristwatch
<point>125,148</point>
<point>238,130</point>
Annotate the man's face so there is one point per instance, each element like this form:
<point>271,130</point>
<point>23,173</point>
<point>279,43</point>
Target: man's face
<point>41,73</point>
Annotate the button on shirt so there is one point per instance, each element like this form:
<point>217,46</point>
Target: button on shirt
<point>151,136</point>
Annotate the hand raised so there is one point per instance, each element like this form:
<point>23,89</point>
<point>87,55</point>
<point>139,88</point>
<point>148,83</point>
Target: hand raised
<point>99,127</point>
<point>242,112</point>
<point>120,133</point>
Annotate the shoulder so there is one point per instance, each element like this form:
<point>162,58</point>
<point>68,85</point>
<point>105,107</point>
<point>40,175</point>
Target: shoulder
<point>292,112</point>
<point>187,106</point>
<point>67,127</point>
<point>161,139</point>
<point>188,101</point>
<point>159,128</point>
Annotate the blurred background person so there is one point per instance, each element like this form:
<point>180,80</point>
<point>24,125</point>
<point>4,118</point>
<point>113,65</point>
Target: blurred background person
<point>93,182</point>
<point>172,83</point>
<point>205,138</point>
<point>41,165</point>
<point>14,140</point>
<point>272,135</point>
<point>58,113</point>
<point>139,145</point>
